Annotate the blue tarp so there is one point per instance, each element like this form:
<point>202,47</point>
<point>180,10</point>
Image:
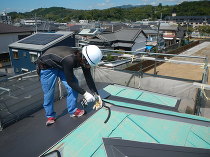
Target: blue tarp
<point>149,47</point>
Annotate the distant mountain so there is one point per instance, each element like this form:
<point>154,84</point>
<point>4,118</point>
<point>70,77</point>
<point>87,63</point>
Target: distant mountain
<point>119,13</point>
<point>129,6</point>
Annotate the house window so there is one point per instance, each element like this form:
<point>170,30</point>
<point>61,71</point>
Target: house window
<point>15,54</point>
<point>33,56</point>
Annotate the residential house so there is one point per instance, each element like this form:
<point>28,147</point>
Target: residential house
<point>8,35</point>
<point>83,21</point>
<point>43,27</point>
<point>129,39</point>
<point>173,34</point>
<point>31,21</point>
<point>154,39</point>
<point>153,36</point>
<point>24,52</point>
<point>193,21</point>
<point>169,33</point>
<point>74,28</point>
<point>87,34</point>
<point>4,18</point>
<point>113,27</point>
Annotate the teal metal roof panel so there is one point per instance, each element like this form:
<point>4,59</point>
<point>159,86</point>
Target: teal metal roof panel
<point>145,108</point>
<point>141,95</point>
<point>128,93</point>
<point>86,140</point>
<point>158,99</point>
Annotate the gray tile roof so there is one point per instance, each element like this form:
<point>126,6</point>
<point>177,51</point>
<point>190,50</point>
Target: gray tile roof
<point>150,31</point>
<point>173,28</point>
<point>5,29</point>
<point>119,44</point>
<point>127,34</point>
<point>114,28</point>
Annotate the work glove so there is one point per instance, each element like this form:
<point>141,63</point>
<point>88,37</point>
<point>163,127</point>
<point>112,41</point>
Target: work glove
<point>89,97</point>
<point>98,103</point>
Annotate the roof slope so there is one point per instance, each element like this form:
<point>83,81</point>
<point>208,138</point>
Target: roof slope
<point>144,129</point>
<point>144,124</point>
<point>127,34</point>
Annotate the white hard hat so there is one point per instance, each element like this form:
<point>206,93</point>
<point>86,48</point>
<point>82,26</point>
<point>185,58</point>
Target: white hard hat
<point>92,54</point>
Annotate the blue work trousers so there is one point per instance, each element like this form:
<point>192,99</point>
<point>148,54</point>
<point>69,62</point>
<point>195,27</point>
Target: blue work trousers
<point>48,79</point>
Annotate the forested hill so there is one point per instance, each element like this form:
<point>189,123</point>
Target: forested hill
<point>60,14</point>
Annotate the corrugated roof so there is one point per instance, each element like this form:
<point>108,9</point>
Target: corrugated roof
<point>5,29</point>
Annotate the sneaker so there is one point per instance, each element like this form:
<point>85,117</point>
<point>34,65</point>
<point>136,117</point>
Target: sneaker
<point>50,121</point>
<point>78,113</point>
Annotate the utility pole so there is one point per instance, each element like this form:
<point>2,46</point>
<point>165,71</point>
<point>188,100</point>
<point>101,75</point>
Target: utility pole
<point>35,23</point>
<point>155,71</point>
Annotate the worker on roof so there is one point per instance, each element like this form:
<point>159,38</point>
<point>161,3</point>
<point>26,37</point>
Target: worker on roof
<point>60,62</point>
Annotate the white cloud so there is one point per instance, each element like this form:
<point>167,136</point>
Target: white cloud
<point>101,4</point>
<point>105,4</point>
<point>153,2</point>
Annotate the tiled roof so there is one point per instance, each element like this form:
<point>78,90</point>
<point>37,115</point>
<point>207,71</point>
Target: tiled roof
<point>128,34</point>
<point>150,31</point>
<point>5,29</point>
<point>119,44</point>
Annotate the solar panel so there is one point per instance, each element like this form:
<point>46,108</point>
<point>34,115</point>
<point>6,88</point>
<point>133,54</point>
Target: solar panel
<point>41,39</point>
<point>92,30</point>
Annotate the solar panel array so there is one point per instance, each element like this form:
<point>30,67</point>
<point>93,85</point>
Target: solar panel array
<point>41,39</point>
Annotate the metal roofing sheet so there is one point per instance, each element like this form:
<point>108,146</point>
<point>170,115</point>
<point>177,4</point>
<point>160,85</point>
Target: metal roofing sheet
<point>141,95</point>
<point>145,108</point>
<point>119,147</point>
<point>86,140</point>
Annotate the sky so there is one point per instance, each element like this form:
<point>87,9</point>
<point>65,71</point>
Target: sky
<point>29,5</point>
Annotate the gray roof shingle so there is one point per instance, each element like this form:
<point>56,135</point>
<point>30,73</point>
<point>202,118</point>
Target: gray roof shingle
<point>127,34</point>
